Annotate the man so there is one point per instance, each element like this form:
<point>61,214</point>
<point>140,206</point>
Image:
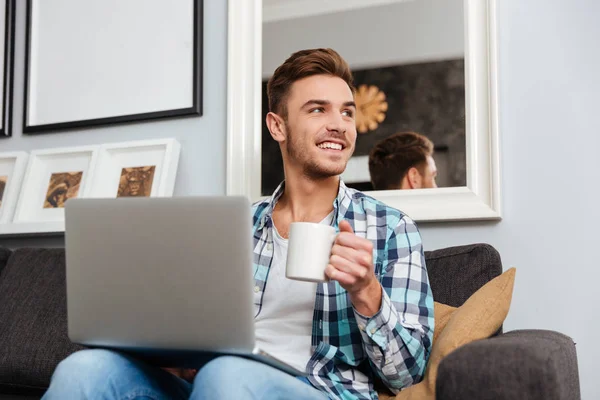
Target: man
<point>372,320</point>
<point>403,161</point>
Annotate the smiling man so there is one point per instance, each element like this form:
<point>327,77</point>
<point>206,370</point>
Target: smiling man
<point>372,321</point>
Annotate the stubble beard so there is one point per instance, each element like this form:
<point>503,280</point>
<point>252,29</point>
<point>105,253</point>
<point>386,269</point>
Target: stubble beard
<point>310,167</point>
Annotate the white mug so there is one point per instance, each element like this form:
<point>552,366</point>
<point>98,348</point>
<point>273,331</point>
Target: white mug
<point>309,250</point>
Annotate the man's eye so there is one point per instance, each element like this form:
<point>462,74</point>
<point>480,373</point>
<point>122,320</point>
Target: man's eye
<point>348,113</point>
<point>316,110</point>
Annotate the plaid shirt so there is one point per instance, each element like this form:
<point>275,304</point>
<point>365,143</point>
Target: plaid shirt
<point>348,348</point>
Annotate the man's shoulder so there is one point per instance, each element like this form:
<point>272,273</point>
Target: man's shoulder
<point>260,205</point>
<point>368,206</point>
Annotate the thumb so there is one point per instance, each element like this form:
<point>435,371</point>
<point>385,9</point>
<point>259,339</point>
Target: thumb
<point>346,227</point>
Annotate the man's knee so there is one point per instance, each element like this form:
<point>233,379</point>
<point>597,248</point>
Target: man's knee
<point>88,365</point>
<point>229,376</point>
<point>236,377</point>
<point>226,367</point>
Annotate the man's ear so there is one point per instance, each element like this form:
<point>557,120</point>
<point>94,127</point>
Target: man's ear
<point>415,180</point>
<point>276,126</point>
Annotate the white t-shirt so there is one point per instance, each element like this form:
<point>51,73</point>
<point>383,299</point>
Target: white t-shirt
<point>283,328</point>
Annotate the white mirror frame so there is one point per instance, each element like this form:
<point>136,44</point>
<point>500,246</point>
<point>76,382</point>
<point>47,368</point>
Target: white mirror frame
<point>479,200</point>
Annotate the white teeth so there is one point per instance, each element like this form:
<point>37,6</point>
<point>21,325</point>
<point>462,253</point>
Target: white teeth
<point>329,145</point>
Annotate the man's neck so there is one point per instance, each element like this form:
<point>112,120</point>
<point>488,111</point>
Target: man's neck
<point>304,200</point>
<point>307,200</point>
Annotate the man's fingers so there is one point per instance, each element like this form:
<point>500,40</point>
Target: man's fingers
<point>351,240</point>
<point>342,277</point>
<point>359,257</point>
<point>348,266</point>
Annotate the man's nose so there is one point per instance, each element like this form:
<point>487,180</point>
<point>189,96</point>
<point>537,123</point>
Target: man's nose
<point>336,123</point>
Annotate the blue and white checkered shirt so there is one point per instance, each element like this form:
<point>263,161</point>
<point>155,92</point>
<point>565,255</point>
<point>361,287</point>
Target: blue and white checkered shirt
<point>349,350</point>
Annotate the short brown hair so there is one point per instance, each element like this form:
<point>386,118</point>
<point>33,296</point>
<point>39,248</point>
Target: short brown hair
<point>302,64</point>
<point>391,158</point>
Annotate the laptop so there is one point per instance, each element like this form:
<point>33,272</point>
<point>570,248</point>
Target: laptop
<point>168,280</point>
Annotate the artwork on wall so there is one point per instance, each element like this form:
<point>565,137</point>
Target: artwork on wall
<point>145,64</point>
<point>12,169</point>
<point>36,186</point>
<point>428,98</point>
<point>3,181</point>
<point>62,186</point>
<point>137,169</point>
<point>53,176</point>
<point>7,43</point>
<point>136,181</point>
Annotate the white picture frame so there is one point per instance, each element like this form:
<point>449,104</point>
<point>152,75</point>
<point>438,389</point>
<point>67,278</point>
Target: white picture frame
<point>480,199</point>
<point>82,71</point>
<point>49,173</point>
<point>162,155</point>
<point>12,170</point>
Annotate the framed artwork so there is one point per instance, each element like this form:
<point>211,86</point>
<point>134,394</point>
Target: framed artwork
<point>12,169</point>
<point>7,51</point>
<point>145,64</point>
<point>137,169</point>
<point>52,177</point>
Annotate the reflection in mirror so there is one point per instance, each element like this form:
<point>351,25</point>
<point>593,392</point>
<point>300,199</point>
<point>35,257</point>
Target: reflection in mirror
<point>408,64</point>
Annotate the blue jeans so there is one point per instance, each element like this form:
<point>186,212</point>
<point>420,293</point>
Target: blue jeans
<point>104,374</point>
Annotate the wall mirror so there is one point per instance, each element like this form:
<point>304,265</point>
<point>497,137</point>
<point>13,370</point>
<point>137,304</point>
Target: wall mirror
<point>419,65</point>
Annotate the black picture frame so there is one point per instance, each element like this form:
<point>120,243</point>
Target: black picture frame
<point>196,108</point>
<point>8,62</point>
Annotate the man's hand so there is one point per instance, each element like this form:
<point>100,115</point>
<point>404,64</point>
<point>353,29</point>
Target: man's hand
<point>351,264</point>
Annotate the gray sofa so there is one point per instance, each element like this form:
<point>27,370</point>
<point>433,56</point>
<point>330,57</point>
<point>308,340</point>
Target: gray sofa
<point>532,364</point>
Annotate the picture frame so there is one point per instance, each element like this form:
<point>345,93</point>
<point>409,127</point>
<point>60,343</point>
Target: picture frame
<point>105,76</point>
<point>480,199</point>
<point>144,168</point>
<point>7,52</point>
<point>12,170</point>
<point>51,178</point>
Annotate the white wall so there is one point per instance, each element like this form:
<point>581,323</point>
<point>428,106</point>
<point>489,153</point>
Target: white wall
<point>372,36</point>
<point>202,163</point>
<point>549,59</point>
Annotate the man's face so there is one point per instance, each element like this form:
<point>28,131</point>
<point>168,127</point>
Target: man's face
<point>429,175</point>
<point>320,127</point>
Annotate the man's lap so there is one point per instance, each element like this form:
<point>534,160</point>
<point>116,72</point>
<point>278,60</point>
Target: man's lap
<point>92,372</point>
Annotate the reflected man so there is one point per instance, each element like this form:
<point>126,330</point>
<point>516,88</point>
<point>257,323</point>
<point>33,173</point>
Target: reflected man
<point>403,161</point>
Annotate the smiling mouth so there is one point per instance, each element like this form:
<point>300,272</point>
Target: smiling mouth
<point>330,146</point>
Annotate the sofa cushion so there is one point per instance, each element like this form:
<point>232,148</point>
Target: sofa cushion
<point>4,254</point>
<point>478,318</point>
<point>33,327</point>
<point>455,273</point>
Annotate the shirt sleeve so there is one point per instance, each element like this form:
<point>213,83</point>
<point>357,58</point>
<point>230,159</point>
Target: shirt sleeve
<point>398,338</point>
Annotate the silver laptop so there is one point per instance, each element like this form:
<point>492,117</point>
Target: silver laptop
<point>168,280</point>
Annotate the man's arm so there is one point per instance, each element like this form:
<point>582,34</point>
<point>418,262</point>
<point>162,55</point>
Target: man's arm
<point>398,337</point>
<point>394,312</point>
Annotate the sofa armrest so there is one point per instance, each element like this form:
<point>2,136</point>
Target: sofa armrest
<point>527,364</point>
